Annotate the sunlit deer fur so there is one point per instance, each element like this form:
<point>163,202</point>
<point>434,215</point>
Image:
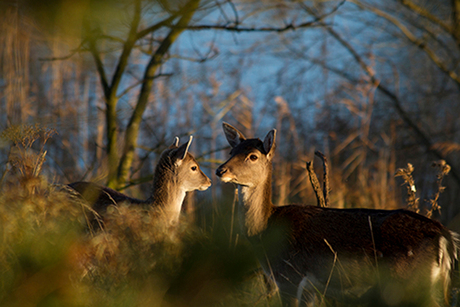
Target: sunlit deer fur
<point>357,256</point>
<point>176,173</point>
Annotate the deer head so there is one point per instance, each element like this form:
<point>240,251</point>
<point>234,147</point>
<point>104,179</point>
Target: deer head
<point>180,168</point>
<point>250,161</point>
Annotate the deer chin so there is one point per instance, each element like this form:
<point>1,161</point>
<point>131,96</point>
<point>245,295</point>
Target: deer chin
<point>228,179</point>
<point>204,187</point>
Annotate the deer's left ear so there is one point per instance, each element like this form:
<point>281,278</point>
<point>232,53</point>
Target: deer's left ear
<point>233,135</point>
<point>181,152</point>
<point>175,143</point>
<point>269,143</point>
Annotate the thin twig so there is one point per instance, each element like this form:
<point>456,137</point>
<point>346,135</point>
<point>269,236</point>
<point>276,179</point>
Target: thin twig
<point>315,184</point>
<point>236,28</point>
<point>406,174</point>
<point>375,248</point>
<point>325,177</point>
<point>80,48</point>
<point>443,170</point>
<point>330,273</point>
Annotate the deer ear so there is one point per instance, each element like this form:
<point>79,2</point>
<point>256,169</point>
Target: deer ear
<point>180,153</point>
<point>234,137</point>
<point>269,143</point>
<point>175,143</point>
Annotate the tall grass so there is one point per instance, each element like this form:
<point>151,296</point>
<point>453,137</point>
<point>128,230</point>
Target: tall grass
<point>49,258</point>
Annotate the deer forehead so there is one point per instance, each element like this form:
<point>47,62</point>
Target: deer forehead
<point>189,160</point>
<point>248,146</point>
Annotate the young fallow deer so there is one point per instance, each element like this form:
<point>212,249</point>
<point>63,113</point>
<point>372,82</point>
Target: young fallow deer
<point>176,173</point>
<point>356,256</point>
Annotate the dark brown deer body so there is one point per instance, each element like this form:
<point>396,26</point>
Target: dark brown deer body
<point>397,257</point>
<point>176,173</point>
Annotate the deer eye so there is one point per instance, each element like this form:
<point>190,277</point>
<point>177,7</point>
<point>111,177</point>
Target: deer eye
<point>253,157</point>
<point>194,168</point>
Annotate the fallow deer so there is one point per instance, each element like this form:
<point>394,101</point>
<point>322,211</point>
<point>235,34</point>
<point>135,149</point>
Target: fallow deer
<point>176,173</point>
<point>357,256</point>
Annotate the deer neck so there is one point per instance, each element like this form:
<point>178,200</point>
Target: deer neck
<point>255,206</point>
<point>167,195</point>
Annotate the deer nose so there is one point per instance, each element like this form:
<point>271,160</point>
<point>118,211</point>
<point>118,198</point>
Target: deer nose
<point>220,171</point>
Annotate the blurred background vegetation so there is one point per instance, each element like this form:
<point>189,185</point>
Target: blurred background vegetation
<point>95,90</point>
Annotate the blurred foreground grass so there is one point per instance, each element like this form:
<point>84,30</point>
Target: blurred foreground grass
<point>49,258</point>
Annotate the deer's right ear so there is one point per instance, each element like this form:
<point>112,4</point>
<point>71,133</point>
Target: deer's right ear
<point>234,137</point>
<point>175,144</point>
<point>269,143</point>
<point>181,152</point>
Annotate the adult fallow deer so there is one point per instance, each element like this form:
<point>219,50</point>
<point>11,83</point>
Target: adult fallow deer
<point>357,256</point>
<point>176,173</point>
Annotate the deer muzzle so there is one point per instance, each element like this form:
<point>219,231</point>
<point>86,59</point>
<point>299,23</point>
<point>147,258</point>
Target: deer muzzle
<point>220,171</point>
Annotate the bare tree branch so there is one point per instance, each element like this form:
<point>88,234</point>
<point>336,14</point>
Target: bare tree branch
<point>127,47</point>
<point>131,134</point>
<point>110,90</point>
<point>159,25</point>
<point>236,28</point>
<point>99,67</point>
<point>414,40</point>
<point>71,54</point>
<point>246,29</point>
<point>396,102</point>
<point>402,113</point>
<point>425,13</point>
<point>456,20</point>
<point>129,88</point>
